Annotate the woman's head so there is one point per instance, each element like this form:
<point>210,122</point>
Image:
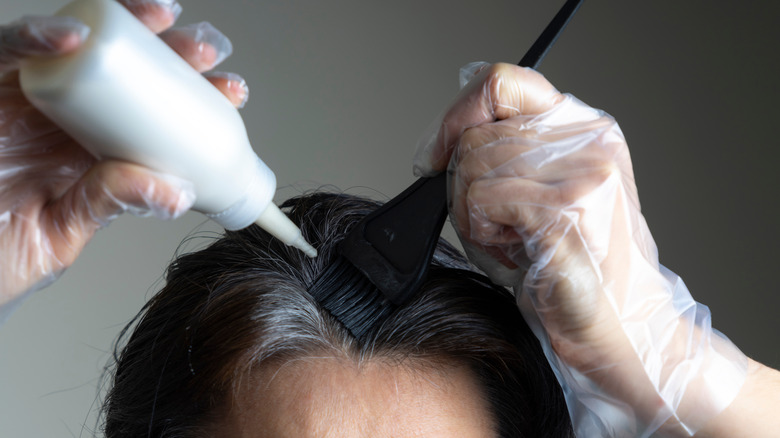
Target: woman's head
<point>235,340</point>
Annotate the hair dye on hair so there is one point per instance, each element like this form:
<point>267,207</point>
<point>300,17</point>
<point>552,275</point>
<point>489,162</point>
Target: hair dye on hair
<point>243,303</point>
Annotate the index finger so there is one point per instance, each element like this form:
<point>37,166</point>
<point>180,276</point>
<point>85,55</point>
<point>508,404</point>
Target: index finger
<point>34,36</point>
<point>497,92</point>
<point>39,36</point>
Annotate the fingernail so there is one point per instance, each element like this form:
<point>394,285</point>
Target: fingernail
<point>49,32</point>
<point>205,33</point>
<point>176,9</point>
<point>245,95</point>
<point>422,164</point>
<point>468,71</point>
<point>186,201</point>
<point>60,26</point>
<point>171,5</point>
<point>234,80</point>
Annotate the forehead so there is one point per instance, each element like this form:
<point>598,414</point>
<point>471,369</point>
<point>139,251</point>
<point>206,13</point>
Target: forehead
<point>329,397</point>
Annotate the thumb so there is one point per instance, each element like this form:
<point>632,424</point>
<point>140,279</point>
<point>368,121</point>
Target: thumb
<point>107,190</point>
<point>497,92</point>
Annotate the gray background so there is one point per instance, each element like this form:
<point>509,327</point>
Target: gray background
<point>341,90</point>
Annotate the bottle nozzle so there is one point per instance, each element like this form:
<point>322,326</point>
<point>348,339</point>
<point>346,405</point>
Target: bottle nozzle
<point>280,226</point>
<point>304,246</point>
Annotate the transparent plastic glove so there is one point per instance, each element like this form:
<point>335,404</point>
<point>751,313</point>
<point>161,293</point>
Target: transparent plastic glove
<point>53,194</point>
<point>543,198</point>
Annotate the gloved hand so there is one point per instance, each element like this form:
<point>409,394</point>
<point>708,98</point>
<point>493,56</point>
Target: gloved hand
<point>544,200</point>
<point>53,194</point>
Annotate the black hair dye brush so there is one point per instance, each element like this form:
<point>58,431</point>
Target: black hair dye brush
<point>384,258</point>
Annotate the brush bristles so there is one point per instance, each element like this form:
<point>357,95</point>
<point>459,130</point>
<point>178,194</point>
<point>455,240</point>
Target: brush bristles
<point>350,297</point>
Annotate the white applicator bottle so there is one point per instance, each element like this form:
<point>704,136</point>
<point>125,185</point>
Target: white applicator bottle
<point>126,95</point>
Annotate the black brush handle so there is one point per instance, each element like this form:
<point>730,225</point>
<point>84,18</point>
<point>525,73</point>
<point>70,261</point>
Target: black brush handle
<point>533,57</point>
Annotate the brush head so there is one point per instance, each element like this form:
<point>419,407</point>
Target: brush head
<point>385,257</point>
<point>350,297</point>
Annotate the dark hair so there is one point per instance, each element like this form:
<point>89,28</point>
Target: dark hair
<point>242,303</point>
